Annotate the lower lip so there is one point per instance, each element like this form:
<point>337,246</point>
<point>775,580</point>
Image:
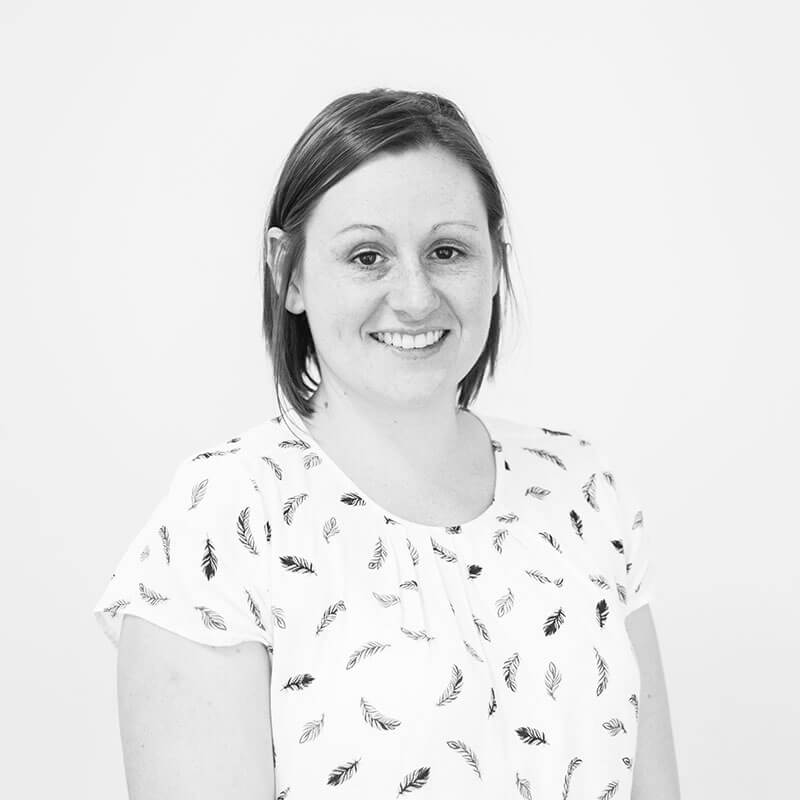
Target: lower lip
<point>416,352</point>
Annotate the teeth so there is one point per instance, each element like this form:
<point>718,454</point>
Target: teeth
<point>406,342</point>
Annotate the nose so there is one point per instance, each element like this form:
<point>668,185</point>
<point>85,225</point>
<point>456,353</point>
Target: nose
<point>412,292</point>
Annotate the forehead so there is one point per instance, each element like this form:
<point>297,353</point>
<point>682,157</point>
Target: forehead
<point>418,187</point>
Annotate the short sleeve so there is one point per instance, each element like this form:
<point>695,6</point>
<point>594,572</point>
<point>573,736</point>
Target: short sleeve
<point>200,565</point>
<point>639,586</point>
<point>634,539</point>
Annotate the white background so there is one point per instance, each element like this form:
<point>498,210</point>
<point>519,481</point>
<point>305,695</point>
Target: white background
<point>649,155</point>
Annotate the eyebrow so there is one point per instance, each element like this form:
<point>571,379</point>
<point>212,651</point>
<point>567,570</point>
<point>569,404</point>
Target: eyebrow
<point>381,230</point>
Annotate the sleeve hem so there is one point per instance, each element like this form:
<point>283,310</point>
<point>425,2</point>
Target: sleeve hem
<point>215,638</point>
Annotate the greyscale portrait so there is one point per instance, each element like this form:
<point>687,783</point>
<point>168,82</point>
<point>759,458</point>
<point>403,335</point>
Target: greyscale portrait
<point>400,400</point>
<point>430,599</point>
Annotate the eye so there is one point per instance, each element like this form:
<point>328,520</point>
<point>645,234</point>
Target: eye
<point>452,248</point>
<point>447,248</point>
<point>368,254</point>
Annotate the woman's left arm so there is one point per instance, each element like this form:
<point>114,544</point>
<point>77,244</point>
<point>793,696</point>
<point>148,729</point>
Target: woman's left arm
<point>655,775</point>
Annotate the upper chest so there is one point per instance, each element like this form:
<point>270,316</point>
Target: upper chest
<point>446,494</point>
<point>437,500</point>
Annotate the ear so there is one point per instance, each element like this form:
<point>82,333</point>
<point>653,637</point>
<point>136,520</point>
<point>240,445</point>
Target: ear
<point>276,243</point>
<point>498,268</point>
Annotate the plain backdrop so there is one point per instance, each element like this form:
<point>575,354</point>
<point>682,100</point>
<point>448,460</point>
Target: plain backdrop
<point>648,152</point>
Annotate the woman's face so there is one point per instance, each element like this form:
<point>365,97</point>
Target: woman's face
<point>430,267</point>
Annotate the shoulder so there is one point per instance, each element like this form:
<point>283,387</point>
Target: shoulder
<point>563,455</point>
<point>246,467</point>
<point>558,440</point>
<point>231,461</point>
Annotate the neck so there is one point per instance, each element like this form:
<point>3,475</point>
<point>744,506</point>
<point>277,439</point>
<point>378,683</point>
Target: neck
<point>421,438</point>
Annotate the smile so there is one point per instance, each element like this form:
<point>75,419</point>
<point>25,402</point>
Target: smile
<point>412,352</point>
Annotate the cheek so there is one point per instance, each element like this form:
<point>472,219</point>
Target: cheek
<point>472,304</point>
<point>342,326</point>
<point>337,313</point>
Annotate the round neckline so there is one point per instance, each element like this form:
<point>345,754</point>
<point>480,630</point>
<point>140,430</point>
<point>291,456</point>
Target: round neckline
<point>345,478</point>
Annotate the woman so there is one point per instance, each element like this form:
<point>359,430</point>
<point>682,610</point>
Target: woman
<point>389,593</point>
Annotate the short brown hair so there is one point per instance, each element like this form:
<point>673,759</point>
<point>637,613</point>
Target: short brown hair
<point>345,134</point>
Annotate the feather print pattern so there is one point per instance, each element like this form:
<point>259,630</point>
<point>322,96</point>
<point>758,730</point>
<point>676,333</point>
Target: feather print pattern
<point>486,658</point>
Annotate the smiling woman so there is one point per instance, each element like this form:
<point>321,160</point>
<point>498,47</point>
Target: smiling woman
<point>388,201</point>
<point>428,265</point>
<point>437,601</point>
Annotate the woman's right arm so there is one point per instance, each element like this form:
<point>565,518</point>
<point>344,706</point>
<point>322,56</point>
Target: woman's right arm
<point>195,719</point>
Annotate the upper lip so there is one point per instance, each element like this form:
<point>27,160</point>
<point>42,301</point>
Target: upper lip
<point>408,333</point>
